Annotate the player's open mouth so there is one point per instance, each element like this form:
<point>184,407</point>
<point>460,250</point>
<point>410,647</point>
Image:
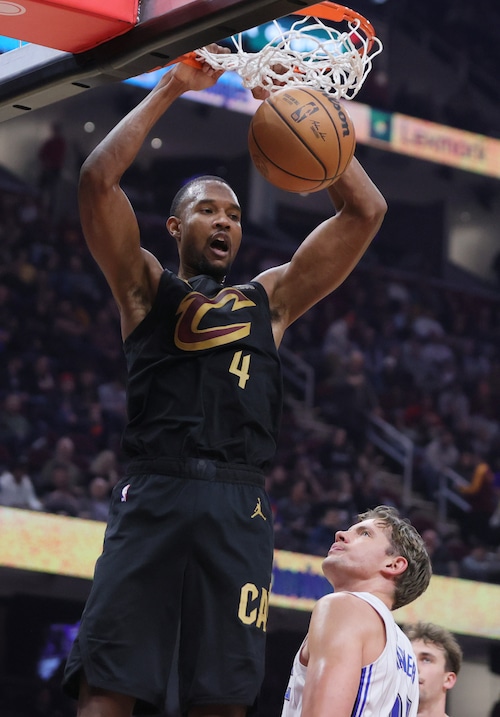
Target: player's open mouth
<point>219,245</point>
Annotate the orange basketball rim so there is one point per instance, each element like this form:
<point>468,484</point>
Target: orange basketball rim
<point>334,12</point>
<point>336,60</point>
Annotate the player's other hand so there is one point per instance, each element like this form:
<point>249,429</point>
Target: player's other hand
<point>198,74</point>
<point>262,93</point>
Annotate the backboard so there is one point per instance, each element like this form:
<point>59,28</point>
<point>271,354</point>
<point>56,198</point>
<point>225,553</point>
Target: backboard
<point>33,76</point>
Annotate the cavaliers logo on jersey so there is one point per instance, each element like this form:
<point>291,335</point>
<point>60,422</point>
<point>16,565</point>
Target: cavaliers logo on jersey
<point>196,309</point>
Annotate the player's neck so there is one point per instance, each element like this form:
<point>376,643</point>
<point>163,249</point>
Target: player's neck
<point>374,587</point>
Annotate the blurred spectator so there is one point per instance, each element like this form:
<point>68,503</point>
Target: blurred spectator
<point>40,377</point>
<point>391,378</point>
<point>480,564</point>
<point>442,452</point>
<point>105,464</point>
<point>337,343</point>
<point>63,499</point>
<point>292,515</point>
<point>365,491</point>
<point>483,432</point>
<point>482,498</point>
<point>105,340</point>
<point>342,494</point>
<point>64,452</point>
<point>442,563</point>
<point>426,325</point>
<point>278,482</point>
<point>96,505</point>
<point>438,363</point>
<point>76,281</point>
<point>474,363</point>
<point>336,451</point>
<point>346,398</point>
<point>93,426</point>
<point>439,454</point>
<point>411,360</point>
<point>70,326</point>
<point>13,379</point>
<point>87,385</point>
<point>322,535</point>
<point>454,405</point>
<point>66,404</point>
<point>15,428</point>
<point>112,397</point>
<point>494,523</point>
<point>16,487</point>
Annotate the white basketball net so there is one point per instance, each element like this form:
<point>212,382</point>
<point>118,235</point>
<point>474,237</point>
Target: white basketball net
<point>336,62</point>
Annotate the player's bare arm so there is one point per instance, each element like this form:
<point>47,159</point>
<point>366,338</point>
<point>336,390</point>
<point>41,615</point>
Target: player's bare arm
<point>329,253</point>
<point>344,635</point>
<point>108,219</point>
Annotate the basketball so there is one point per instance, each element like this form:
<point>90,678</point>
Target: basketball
<point>301,139</point>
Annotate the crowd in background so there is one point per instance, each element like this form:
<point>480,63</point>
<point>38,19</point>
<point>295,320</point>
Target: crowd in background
<point>421,355</point>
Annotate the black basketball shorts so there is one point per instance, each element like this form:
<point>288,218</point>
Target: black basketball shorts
<point>186,561</point>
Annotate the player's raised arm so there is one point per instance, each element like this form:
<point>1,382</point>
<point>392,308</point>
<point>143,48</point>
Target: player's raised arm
<point>330,252</point>
<point>108,219</point>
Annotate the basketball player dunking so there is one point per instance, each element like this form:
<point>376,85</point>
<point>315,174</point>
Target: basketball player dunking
<point>189,545</point>
<point>355,660</point>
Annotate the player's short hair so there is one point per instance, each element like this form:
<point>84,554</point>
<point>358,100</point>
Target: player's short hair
<point>183,191</point>
<point>428,632</point>
<point>407,542</point>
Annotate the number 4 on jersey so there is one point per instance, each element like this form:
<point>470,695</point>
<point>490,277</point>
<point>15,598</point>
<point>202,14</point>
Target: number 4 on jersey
<point>239,367</point>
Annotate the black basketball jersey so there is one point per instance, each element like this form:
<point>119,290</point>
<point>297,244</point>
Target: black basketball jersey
<point>204,375</point>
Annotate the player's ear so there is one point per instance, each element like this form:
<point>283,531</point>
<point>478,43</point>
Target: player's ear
<point>396,565</point>
<point>174,226</point>
<point>449,680</point>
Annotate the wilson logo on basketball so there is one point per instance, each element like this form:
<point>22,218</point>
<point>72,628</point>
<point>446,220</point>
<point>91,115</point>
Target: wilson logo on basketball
<point>304,111</point>
<point>342,117</point>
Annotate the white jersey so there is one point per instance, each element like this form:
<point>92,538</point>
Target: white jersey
<point>388,687</point>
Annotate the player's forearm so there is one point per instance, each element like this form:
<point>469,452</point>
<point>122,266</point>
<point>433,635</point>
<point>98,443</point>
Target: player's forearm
<point>356,191</point>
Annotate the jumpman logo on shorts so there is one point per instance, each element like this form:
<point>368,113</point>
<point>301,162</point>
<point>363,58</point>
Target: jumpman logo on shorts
<point>258,510</point>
